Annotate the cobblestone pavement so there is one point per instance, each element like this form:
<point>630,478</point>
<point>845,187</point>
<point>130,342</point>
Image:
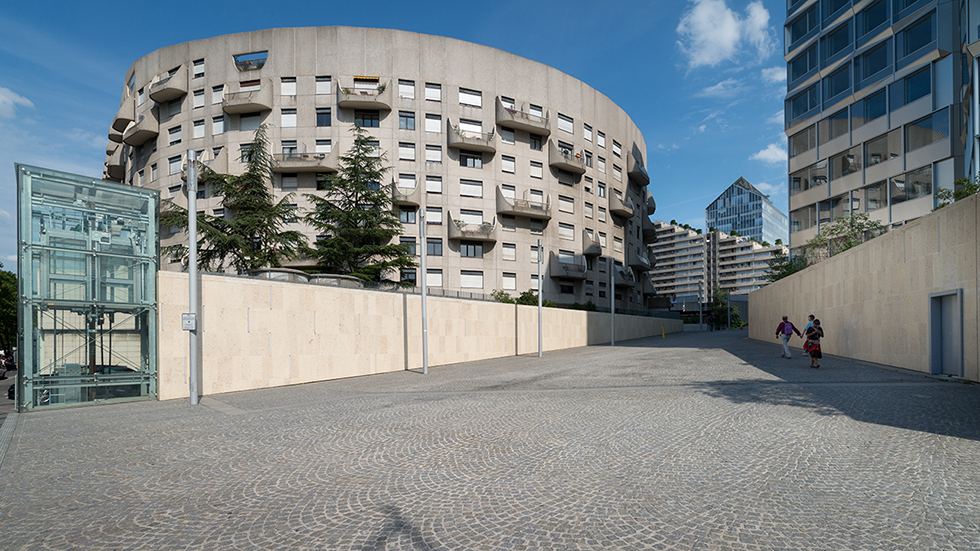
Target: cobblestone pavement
<point>696,441</point>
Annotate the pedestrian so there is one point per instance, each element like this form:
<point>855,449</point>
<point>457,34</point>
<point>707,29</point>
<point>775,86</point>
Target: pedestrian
<point>784,331</point>
<point>809,324</point>
<point>813,335</point>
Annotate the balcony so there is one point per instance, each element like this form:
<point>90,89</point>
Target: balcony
<point>306,162</point>
<point>624,278</point>
<point>620,208</point>
<point>115,165</point>
<point>521,120</point>
<point>636,172</point>
<point>364,98</point>
<point>523,207</point>
<point>475,141</point>
<point>146,128</point>
<point>125,115</point>
<point>171,87</point>
<point>217,163</point>
<point>647,287</point>
<point>565,160</point>
<point>248,102</point>
<point>590,246</point>
<point>651,204</point>
<point>486,232</point>
<point>115,136</point>
<point>640,260</point>
<point>577,269</point>
<point>649,231</point>
<point>406,195</point>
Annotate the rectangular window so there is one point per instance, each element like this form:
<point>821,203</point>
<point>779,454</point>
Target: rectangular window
<point>588,158</point>
<point>470,159</point>
<point>883,148</point>
<point>175,190</point>
<point>471,249</point>
<point>601,139</point>
<point>470,279</point>
<point>565,178</point>
<point>323,182</point>
<point>833,126</point>
<point>802,141</point>
<point>913,87</point>
<point>587,132</point>
<point>601,189</point>
<point>198,99</point>
<point>537,170</point>
<point>288,86</point>
<point>474,217</point>
<point>406,151</point>
<point>506,135</point>
<point>802,64</point>
<point>602,238</point>
<point>534,257</point>
<point>912,185</point>
<point>600,164</point>
<point>870,109</point>
<point>250,86</point>
<point>534,282</point>
<point>288,118</point>
<point>602,214</point>
<point>289,147</point>
<point>406,120</point>
<point>174,135</point>
<point>916,36</point>
<point>249,122</point>
<point>467,125</point>
<point>409,276</point>
<point>508,191</point>
<point>433,92</point>
<point>407,215</point>
<point>618,244</point>
<point>927,130</point>
<point>871,18</point>
<point>508,102</point>
<point>140,96</point>
<point>471,188</point>
<point>289,181</point>
<point>174,164</point>
<point>173,108</point>
<point>836,40</point>
<point>433,246</point>
<point>367,118</point>
<point>617,149</point>
<point>508,251</point>
<point>406,89</point>
<point>323,85</point>
<point>407,181</point>
<point>433,154</point>
<point>566,231</point>
<point>566,123</point>
<point>433,123</point>
<point>839,82</point>
<point>433,184</point>
<point>802,103</point>
<point>199,129</point>
<point>153,173</point>
<point>617,173</point>
<point>845,163</point>
<point>470,98</point>
<point>566,204</point>
<point>535,142</point>
<point>217,94</point>
<point>507,164</point>
<point>801,26</point>
<point>509,281</point>
<point>198,68</point>
<point>508,222</point>
<point>876,196</point>
<point>433,277</point>
<point>872,62</point>
<point>588,210</point>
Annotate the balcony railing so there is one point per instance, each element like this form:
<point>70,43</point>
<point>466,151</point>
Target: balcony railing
<point>619,207</point>
<point>466,139</point>
<point>577,269</point>
<point>364,98</point>
<point>624,277</point>
<point>523,207</point>
<point>250,101</point>
<point>635,171</point>
<point>590,246</point>
<point>305,162</point>
<point>169,88</point>
<point>639,260</point>
<point>565,160</point>
<point>406,195</point>
<point>486,231</point>
<point>125,115</point>
<point>521,120</point>
<point>147,127</point>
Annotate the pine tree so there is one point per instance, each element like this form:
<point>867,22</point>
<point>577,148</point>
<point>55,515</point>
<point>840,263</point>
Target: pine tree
<point>356,219</point>
<point>250,236</point>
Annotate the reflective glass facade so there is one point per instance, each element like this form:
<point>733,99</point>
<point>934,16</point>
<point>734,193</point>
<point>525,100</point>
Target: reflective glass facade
<point>747,211</point>
<point>87,263</point>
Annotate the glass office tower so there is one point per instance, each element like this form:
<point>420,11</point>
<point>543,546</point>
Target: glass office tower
<point>745,210</point>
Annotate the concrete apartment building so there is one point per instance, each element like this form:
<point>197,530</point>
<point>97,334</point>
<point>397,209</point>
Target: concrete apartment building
<point>874,113</point>
<point>498,150</point>
<point>745,210</point>
<point>687,262</point>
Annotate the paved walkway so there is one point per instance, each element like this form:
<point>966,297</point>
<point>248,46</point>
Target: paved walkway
<point>699,441</point>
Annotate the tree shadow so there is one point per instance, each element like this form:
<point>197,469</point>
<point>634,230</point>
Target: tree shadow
<point>395,530</point>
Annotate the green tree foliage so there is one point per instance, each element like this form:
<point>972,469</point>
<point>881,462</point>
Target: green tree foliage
<point>527,298</point>
<point>842,234</point>
<point>356,218</point>
<point>781,266</point>
<point>962,189</point>
<point>8,309</point>
<point>251,235</point>
<point>719,309</point>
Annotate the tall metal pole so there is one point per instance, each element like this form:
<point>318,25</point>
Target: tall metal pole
<point>612,299</point>
<point>540,301</point>
<point>728,301</point>
<point>424,245</point>
<point>195,382</point>
<point>700,307</point>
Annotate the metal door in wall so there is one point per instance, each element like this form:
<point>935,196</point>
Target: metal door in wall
<point>946,333</point>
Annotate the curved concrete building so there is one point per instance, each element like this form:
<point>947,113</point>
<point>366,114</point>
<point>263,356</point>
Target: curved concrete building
<point>499,151</point>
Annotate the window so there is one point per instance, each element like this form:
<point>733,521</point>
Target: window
<point>916,36</point>
<point>175,190</point>
<point>566,231</point>
<point>289,181</point>
<point>802,141</point>
<point>406,120</point>
<point>602,189</point>
<point>508,102</point>
<point>587,132</point>
<point>871,18</point>
<point>288,118</point>
<point>833,126</point>
<point>323,85</point>
<point>433,277</point>
<point>471,188</point>
<point>588,158</point>
<point>617,173</point>
<point>506,135</point>
<point>535,142</point>
<point>800,27</point>
<point>409,276</point>
<point>198,68</point>
<point>845,163</point>
<point>198,99</point>
<point>323,182</point>
<point>601,139</point>
<point>174,135</point>
<point>600,164</point>
<point>217,125</point>
<point>470,98</point>
<point>406,151</point>
<point>618,244</point>
<point>566,287</point>
<point>802,219</point>
<point>471,126</point>
<point>406,89</point>
<point>602,238</point>
<point>199,129</point>
<point>433,215</point>
<point>471,159</point>
<point>373,148</point>
<point>566,123</point>
<point>912,185</point>
<point>433,92</point>
<point>509,281</point>
<point>153,172</point>
<point>174,164</point>
<point>217,94</point>
<point>802,103</point>
<point>433,184</point>
<point>407,215</point>
<point>839,82</point>
<point>250,86</point>
<point>471,249</point>
<point>367,118</point>
<point>433,154</point>
<point>876,196</point>
<point>324,146</point>
<point>927,130</point>
<point>288,86</point>
<point>802,64</point>
<point>836,40</point>
<point>474,217</point>
<point>507,164</point>
<point>602,214</point>
<point>537,226</point>
<point>433,123</point>
<point>249,122</point>
<point>566,204</point>
<point>588,210</point>
<point>617,149</point>
<point>913,87</point>
<point>870,109</point>
<point>871,62</point>
<point>433,246</point>
<point>508,191</point>
<point>534,254</point>
<point>173,108</point>
<point>470,279</point>
<point>508,251</point>
<point>289,147</point>
<point>140,96</point>
<point>565,178</point>
<point>406,181</point>
<point>219,213</point>
<point>508,222</point>
<point>139,179</point>
<point>537,170</point>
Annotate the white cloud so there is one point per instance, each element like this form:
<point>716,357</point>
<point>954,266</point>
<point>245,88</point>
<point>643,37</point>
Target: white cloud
<point>777,118</point>
<point>11,257</point>
<point>702,128</point>
<point>712,33</point>
<point>774,75</point>
<point>86,138</point>
<point>773,154</point>
<point>6,220</point>
<point>770,189</point>
<point>8,102</point>
<point>724,89</point>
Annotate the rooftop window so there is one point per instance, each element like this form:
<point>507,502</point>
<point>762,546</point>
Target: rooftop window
<point>251,62</point>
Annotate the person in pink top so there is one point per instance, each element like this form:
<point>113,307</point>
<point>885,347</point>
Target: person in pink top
<point>784,331</point>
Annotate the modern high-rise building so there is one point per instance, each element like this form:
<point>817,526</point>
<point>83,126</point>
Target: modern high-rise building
<point>745,210</point>
<point>498,150</point>
<point>873,108</point>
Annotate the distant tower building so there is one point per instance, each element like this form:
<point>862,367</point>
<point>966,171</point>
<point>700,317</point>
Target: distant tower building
<point>747,211</point>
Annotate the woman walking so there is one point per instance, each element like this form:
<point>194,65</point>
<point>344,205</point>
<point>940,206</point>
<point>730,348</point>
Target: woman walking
<point>813,335</point>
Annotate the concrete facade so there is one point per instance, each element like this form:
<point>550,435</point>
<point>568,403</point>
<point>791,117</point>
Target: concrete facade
<point>260,333</point>
<point>877,301</point>
<point>513,150</point>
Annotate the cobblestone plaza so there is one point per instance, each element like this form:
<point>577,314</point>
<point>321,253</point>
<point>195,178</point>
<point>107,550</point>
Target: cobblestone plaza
<point>696,441</point>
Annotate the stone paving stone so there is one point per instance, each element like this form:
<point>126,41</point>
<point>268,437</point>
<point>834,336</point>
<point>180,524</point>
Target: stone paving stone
<point>697,441</point>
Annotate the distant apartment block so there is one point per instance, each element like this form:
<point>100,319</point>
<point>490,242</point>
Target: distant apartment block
<point>745,210</point>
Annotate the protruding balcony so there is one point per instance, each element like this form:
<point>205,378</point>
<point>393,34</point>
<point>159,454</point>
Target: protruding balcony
<point>486,232</point>
<point>248,102</point>
<point>406,195</point>
<point>636,172</point>
<point>475,141</point>
<point>620,208</point>
<point>571,268</point>
<point>565,160</point>
<point>590,246</point>
<point>147,127</point>
<point>639,260</point>
<point>217,163</point>
<point>647,287</point>
<point>171,87</point>
<point>306,162</point>
<point>115,136</point>
<point>651,204</point>
<point>522,120</point>
<point>523,207</point>
<point>624,277</point>
<point>364,98</point>
<point>115,165</point>
<point>649,231</point>
<point>125,115</point>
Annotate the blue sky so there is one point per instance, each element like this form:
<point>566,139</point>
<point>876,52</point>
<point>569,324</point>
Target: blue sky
<point>702,79</point>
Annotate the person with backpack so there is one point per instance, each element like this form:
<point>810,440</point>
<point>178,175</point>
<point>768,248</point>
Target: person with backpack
<point>784,331</point>
<point>813,335</point>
